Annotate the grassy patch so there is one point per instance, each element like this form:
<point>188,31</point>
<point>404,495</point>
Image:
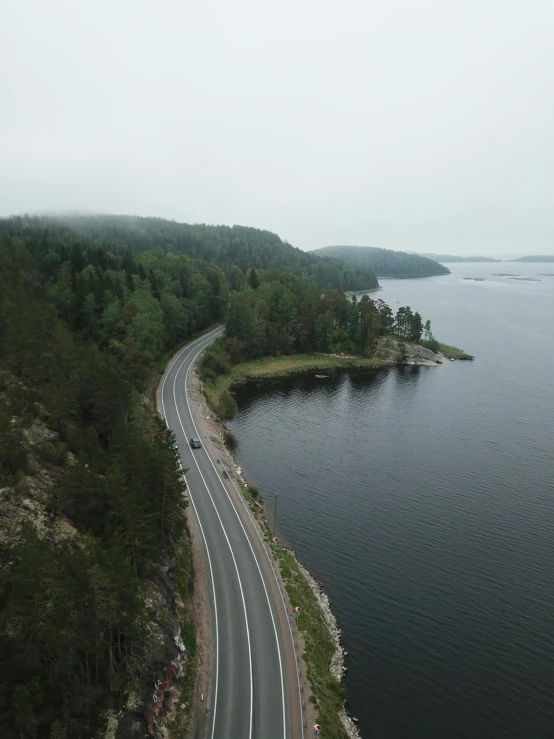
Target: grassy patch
<point>289,365</point>
<point>280,367</point>
<point>452,352</point>
<point>254,501</point>
<point>328,695</point>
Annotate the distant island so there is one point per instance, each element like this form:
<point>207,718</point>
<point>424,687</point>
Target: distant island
<point>450,258</point>
<point>535,258</point>
<point>384,262</point>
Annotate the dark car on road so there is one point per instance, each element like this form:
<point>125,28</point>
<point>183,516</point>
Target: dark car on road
<point>195,443</point>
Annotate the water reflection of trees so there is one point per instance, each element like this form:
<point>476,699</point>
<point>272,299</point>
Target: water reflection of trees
<point>328,385</point>
<point>407,373</point>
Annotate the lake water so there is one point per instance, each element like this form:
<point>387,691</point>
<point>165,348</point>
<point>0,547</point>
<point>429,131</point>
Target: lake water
<point>423,498</point>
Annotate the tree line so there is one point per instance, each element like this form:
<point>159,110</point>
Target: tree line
<point>233,248</point>
<point>82,328</point>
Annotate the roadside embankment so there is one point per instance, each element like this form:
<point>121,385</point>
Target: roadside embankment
<point>317,635</point>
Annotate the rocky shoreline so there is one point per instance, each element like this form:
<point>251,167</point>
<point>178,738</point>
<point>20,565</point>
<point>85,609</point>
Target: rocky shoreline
<point>338,662</point>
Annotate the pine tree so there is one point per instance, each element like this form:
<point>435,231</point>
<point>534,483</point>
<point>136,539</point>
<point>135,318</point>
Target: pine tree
<point>253,279</point>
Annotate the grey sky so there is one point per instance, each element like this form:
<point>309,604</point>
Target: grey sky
<point>406,124</point>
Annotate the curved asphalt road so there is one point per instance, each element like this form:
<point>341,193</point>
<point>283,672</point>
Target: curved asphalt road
<point>249,686</point>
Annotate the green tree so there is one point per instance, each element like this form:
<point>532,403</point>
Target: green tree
<point>242,320</point>
<point>386,316</point>
<point>25,700</point>
<point>227,408</point>
<point>253,279</point>
<point>61,292</point>
<point>416,328</point>
<point>368,324</point>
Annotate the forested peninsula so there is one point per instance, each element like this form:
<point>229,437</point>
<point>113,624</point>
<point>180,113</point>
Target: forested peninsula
<point>94,549</point>
<point>384,262</point>
<point>281,318</point>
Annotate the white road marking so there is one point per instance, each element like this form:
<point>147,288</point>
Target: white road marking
<point>247,539</point>
<point>228,543</point>
<point>207,552</point>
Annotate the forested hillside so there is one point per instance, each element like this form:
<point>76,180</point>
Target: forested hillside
<point>384,262</point>
<point>91,498</point>
<point>234,249</point>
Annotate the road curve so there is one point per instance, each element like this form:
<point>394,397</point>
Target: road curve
<point>250,688</point>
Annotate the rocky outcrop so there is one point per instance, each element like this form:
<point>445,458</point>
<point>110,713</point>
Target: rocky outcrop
<point>26,498</point>
<point>149,709</point>
<point>389,350</point>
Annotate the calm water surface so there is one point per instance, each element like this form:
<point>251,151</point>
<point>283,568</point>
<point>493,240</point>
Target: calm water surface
<point>423,498</point>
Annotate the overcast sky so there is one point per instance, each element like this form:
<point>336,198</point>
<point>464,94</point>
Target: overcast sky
<point>421,125</point>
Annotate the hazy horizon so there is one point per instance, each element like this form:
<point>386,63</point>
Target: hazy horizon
<point>423,126</point>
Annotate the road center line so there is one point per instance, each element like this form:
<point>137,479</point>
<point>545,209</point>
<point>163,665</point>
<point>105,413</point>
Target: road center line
<point>249,544</point>
<point>226,538</point>
<point>205,543</point>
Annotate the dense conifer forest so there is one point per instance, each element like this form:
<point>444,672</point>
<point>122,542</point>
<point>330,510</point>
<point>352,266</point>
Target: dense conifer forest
<point>233,248</point>
<point>82,329</point>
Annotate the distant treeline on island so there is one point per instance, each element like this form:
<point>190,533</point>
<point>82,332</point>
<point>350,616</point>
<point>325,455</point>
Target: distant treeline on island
<point>536,258</point>
<point>384,262</point>
<point>451,258</point>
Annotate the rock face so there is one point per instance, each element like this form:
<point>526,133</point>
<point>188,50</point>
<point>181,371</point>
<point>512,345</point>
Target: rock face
<point>389,350</point>
<point>148,710</point>
<point>25,500</point>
